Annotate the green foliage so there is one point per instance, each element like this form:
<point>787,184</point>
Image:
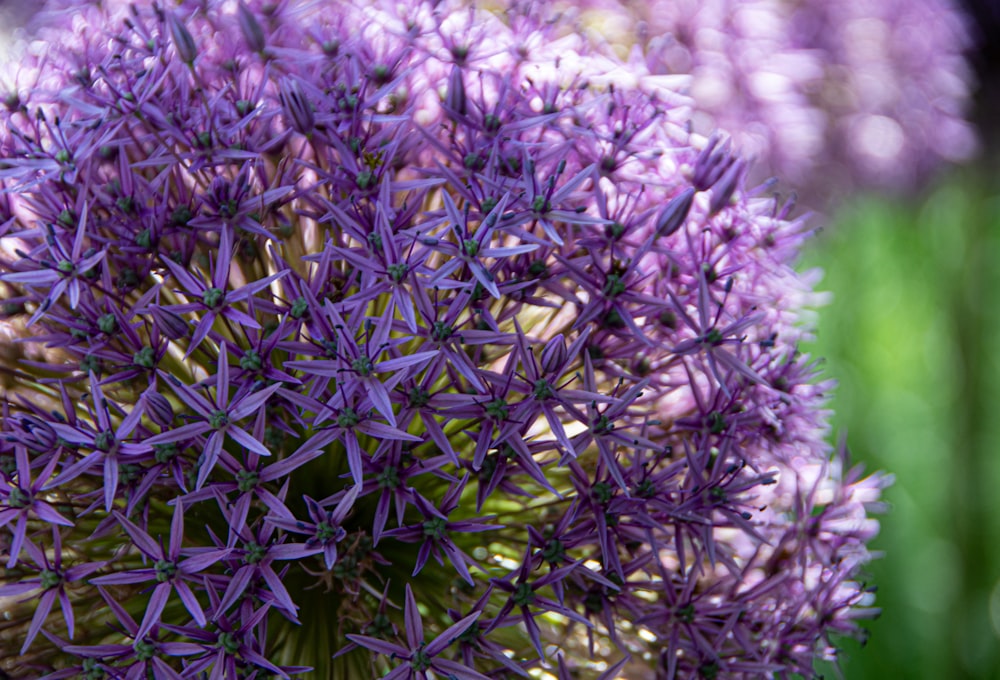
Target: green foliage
<point>912,335</point>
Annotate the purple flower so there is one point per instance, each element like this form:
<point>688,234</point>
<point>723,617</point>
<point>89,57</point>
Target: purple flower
<point>171,573</point>
<point>420,341</point>
<point>524,596</point>
<point>60,274</point>
<point>145,656</point>
<point>25,498</point>
<point>52,580</point>
<point>213,297</point>
<point>324,532</point>
<point>419,656</point>
<point>218,417</point>
<point>435,533</point>
<point>836,98</point>
<point>229,649</point>
<point>108,443</point>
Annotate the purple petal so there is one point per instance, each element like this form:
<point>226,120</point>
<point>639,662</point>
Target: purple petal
<point>129,423</point>
<point>241,436</point>
<point>237,585</point>
<point>381,431</point>
<point>47,513</point>
<point>15,589</point>
<point>354,455</point>
<point>450,634</point>
<point>110,481</point>
<point>222,373</point>
<point>181,648</point>
<point>258,660</point>
<point>37,277</point>
<point>453,669</point>
<point>67,611</point>
<point>220,276</point>
<point>213,447</point>
<point>285,466</point>
<point>153,610</point>
<point>125,578</point>
<point>201,332</point>
<point>381,515</point>
<point>252,288</point>
<point>70,434</point>
<point>190,284</point>
<point>533,632</point>
<point>190,602</point>
<point>81,571</point>
<point>160,671</point>
<point>100,406</point>
<point>457,559</point>
<point>414,625</point>
<point>142,540</point>
<point>293,551</point>
<point>379,397</point>
<point>179,433</point>
<point>45,603</point>
<point>278,590</point>
<point>202,560</point>
<point>330,555</point>
<point>253,403</point>
<point>176,531</point>
<point>380,646</point>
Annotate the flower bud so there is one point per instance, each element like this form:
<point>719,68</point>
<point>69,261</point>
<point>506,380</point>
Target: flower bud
<point>711,163</point>
<point>674,214</point>
<point>38,436</point>
<point>724,188</point>
<point>253,33</point>
<point>186,49</point>
<point>298,110</point>
<point>455,97</point>
<point>159,409</point>
<point>171,325</point>
<point>554,355</point>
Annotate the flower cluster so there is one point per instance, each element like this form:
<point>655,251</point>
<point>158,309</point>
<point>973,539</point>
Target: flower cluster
<point>384,339</point>
<point>842,96</point>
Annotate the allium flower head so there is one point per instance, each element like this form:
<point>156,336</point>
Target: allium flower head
<point>400,340</point>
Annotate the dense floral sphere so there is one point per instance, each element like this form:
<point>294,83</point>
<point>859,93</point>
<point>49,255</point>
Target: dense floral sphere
<point>399,340</point>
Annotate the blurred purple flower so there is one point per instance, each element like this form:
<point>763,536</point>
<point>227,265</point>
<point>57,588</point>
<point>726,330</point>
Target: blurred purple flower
<point>837,97</point>
<point>422,656</point>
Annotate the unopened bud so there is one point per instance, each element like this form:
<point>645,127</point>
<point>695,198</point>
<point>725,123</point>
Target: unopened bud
<point>39,436</point>
<point>712,163</point>
<point>455,98</point>
<point>159,409</point>
<point>674,214</point>
<point>171,325</point>
<point>186,49</point>
<point>724,188</point>
<point>298,110</point>
<point>554,355</point>
<point>253,33</point>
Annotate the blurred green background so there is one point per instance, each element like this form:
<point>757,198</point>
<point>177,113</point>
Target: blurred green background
<point>913,337</point>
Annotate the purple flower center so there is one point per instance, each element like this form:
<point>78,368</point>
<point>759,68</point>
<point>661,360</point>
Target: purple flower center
<point>165,570</point>
<point>228,643</point>
<point>523,595</point>
<point>49,578</point>
<point>213,297</point>
<point>436,528</point>
<point>420,661</point>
